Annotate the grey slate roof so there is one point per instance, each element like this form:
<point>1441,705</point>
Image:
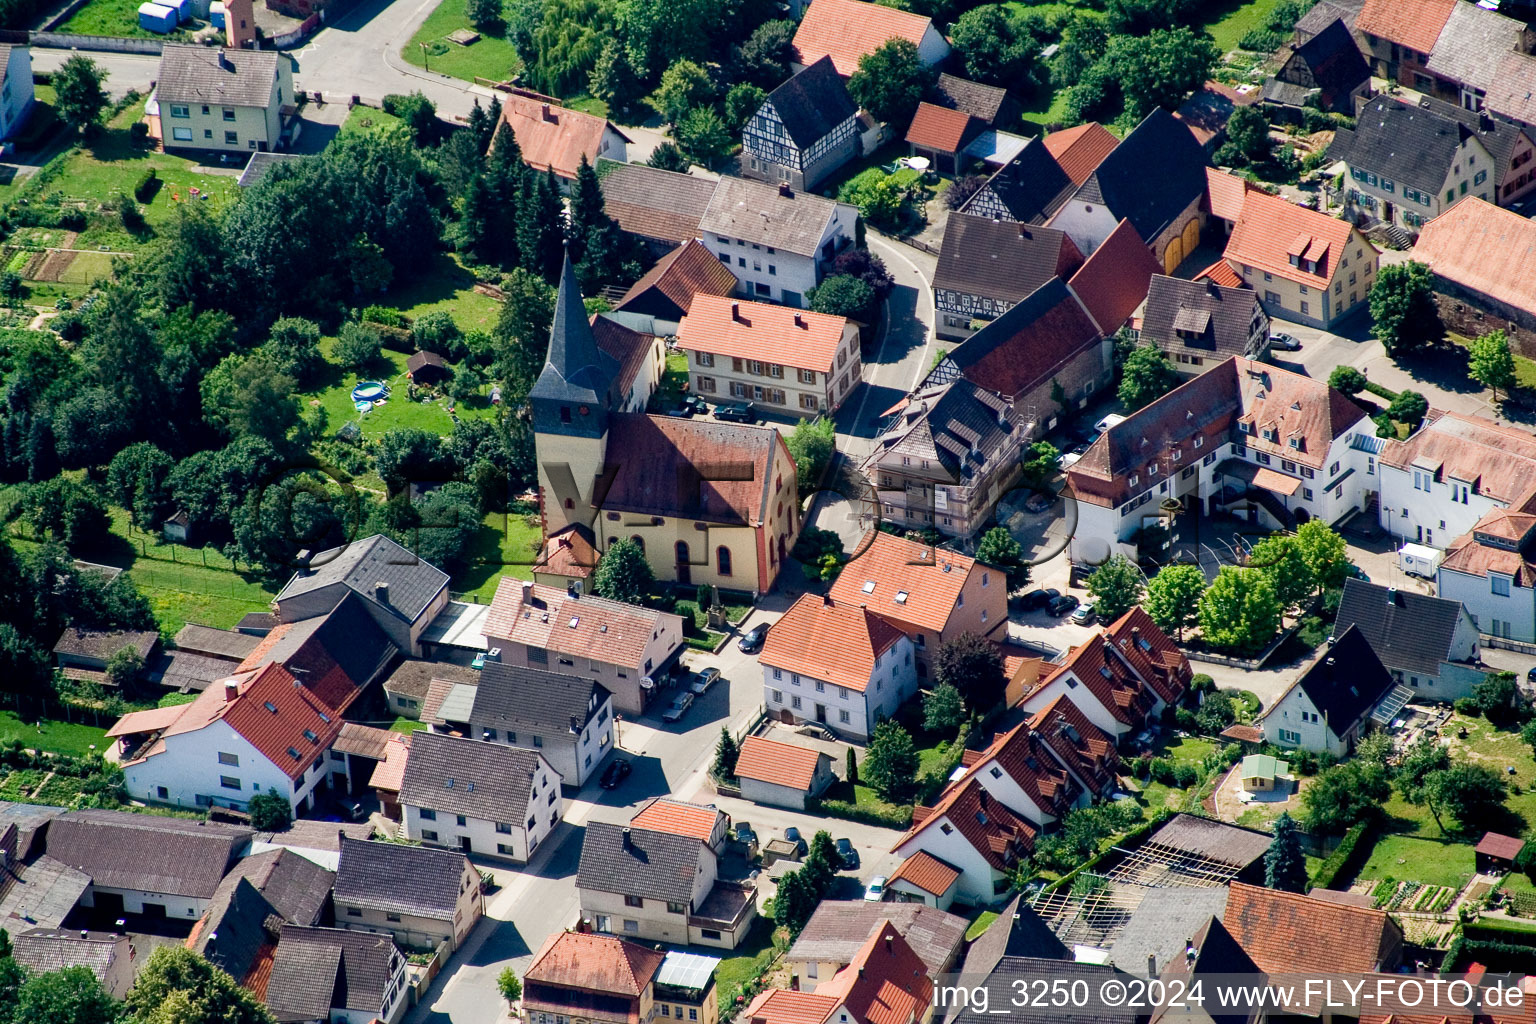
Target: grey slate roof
<point>1465,50</point>
<point>238,923</point>
<point>122,850</point>
<point>387,876</point>
<point>187,672</point>
<point>413,583</point>
<point>1227,315</point>
<point>653,203</point>
<point>346,637</point>
<point>1413,145</point>
<point>1330,62</point>
<point>1004,260</point>
<point>978,100</point>
<point>490,781</point>
<point>43,892</point>
<point>549,701</point>
<point>1030,187</point>
<point>1018,932</point>
<point>1346,680</point>
<point>216,643</point>
<point>411,676</point>
<point>101,644</point>
<point>1162,925</point>
<point>1204,837</point>
<point>328,967</point>
<point>758,213</point>
<point>305,834</point>
<point>1149,178</point>
<point>654,864</point>
<point>53,949</point>
<point>296,888</point>
<point>1408,630</point>
<point>812,103</point>
<point>1013,973</point>
<point>200,74</point>
<point>839,927</point>
<point>1324,14</point>
<point>576,369</point>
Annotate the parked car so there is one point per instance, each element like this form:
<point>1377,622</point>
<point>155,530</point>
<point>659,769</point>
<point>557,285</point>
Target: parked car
<point>1284,342</point>
<point>1530,676</point>
<point>737,412</point>
<point>704,680</point>
<point>752,641</point>
<point>875,891</point>
<point>1357,573</point>
<point>793,835</point>
<point>1061,605</point>
<point>1084,614</point>
<point>1038,599</point>
<point>744,834</point>
<point>617,771</point>
<point>848,855</point>
<point>1113,419</point>
<point>680,705</point>
<point>1040,501</point>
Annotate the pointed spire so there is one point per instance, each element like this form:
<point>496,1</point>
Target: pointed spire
<point>573,352</point>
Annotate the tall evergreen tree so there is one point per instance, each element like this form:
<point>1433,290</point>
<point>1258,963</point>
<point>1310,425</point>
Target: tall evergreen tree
<point>540,226</point>
<point>480,127</point>
<point>1285,866</point>
<point>586,209</point>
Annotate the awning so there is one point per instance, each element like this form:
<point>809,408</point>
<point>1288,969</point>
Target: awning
<point>1277,482</point>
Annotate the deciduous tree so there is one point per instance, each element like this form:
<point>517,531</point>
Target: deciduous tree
<point>891,81</point>
<point>177,986</point>
<point>890,763</point>
<point>1146,377</point>
<point>79,97</point>
<point>943,709</point>
<point>812,444</point>
<point>1346,795</point>
<point>270,812</point>
<point>1403,308</point>
<point>1279,558</point>
<point>1324,552</point>
<point>623,574</point>
<point>998,547</point>
<point>1173,597</point>
<point>972,666</point>
<point>1347,379</point>
<point>1116,587</point>
<point>1239,611</point>
<point>1492,364</point>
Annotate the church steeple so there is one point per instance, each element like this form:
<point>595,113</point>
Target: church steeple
<point>573,393</point>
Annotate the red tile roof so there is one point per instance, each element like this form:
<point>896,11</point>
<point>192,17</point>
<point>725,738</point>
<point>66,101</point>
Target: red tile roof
<point>846,30</point>
<point>549,135</point>
<point>1484,249</point>
<point>836,643</point>
<point>677,818</point>
<point>1153,654</point>
<point>738,329</point>
<point>1498,461</point>
<point>1503,847</point>
<point>284,732</point>
<point>927,872</point>
<point>1023,756</point>
<point>930,578</point>
<point>1030,343</point>
<point>683,273</point>
<point>659,449</point>
<point>782,764</point>
<point>568,552</point>
<point>1080,150</point>
<point>1271,229</point>
<point>540,616</point>
<point>594,963</point>
<point>1221,273</point>
<point>388,773</point>
<point>1415,24</point>
<point>1000,836</point>
<point>940,128</point>
<point>786,1006</point>
<point>1281,931</point>
<point>1115,279</point>
<point>1083,747</point>
<point>1224,194</point>
<point>885,983</point>
<point>631,348</point>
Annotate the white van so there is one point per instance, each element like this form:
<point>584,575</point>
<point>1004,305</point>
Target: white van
<point>1419,560</point>
<point>1108,421</point>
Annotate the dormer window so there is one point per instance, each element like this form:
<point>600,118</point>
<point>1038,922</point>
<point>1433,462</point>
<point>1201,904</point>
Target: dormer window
<point>901,597</point>
<point>1296,443</point>
<point>1244,427</point>
<point>1134,480</point>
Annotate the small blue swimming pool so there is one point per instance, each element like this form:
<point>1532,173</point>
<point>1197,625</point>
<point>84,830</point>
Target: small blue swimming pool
<point>369,391</point>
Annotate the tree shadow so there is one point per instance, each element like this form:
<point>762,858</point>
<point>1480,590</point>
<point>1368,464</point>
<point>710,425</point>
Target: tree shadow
<point>1440,366</point>
<point>441,279</point>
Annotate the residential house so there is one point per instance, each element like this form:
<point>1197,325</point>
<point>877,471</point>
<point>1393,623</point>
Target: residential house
<point>660,887</point>
<point>1306,266</point>
<point>706,823</point>
<point>1099,679</point>
<point>778,241</point>
<point>335,655</point>
<point>401,592</point>
<point>1479,256</point>
<point>420,895</point>
<point>16,94</point>
<point>83,654</point>
<point>641,356</point>
<point>686,984</point>
<point>1470,53</point>
<point>1325,13</point>
<point>661,208</point>
<point>1326,73</point>
<point>885,982</point>
<point>847,30</point>
<point>1079,151</point>
<point>595,978</point>
<point>107,955</point>
<point>837,665</point>
<point>1211,953</point>
<point>1112,283</point>
<point>1019,770</point>
<point>733,533</point>
<point>989,104</point>
<point>1224,197</point>
<point>925,881</point>
<point>930,594</point>
<point>1155,178</point>
<point>1198,324</point>
<point>336,975</point>
<point>838,929</point>
<point>1397,36</point>
<point>290,885</point>
<point>987,266</point>
<point>478,796</point>
<point>941,134</point>
<point>970,830</point>
<point>667,289</point>
<point>1334,701</point>
<point>1409,163</point>
<point>804,363</point>
<point>146,864</point>
<point>620,646</point>
<point>260,732</point>
<point>567,719</point>
<point>221,99</point>
<point>1087,752</point>
<point>1209,109</point>
<point>1491,572</point>
<point>555,138</point>
<point>805,129</point>
<point>1278,929</point>
<point>1276,446</point>
<point>1428,643</point>
<point>951,452</point>
<point>1028,189</point>
<point>782,774</point>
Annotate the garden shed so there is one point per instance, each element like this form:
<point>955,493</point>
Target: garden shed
<point>157,18</point>
<point>1496,853</point>
<point>427,368</point>
<point>781,774</point>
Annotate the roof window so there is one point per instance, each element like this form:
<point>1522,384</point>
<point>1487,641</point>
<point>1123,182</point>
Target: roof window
<point>270,707</point>
<point>293,753</point>
<point>574,620</point>
<point>309,734</point>
<point>869,586</point>
<point>901,597</point>
<point>448,784</point>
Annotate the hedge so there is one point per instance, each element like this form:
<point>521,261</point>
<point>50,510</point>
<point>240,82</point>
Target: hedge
<point>144,191</point>
<point>894,817</point>
<point>1380,391</point>
<point>397,339</point>
<point>1342,861</point>
<point>1498,956</point>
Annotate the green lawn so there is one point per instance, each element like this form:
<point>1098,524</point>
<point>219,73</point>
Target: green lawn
<point>1525,369</point>
<point>1420,860</point>
<point>407,725</point>
<point>492,57</point>
<point>752,957</point>
<point>55,737</point>
<point>1046,108</point>
<point>445,285</point>
<point>334,394</point>
<point>363,120</point>
<point>1230,20</point>
<point>1497,749</point>
<point>586,104</point>
<point>979,926</point>
<point>120,18</point>
<point>505,546</point>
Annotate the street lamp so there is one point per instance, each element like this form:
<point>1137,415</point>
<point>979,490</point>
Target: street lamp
<point>424,65</point>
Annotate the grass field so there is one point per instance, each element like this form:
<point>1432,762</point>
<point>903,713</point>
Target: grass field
<point>1497,749</point>
<point>752,957</point>
<point>505,546</point>
<point>407,725</point>
<point>1230,20</point>
<point>334,395</point>
<point>1525,369</point>
<point>119,18</point>
<point>53,736</point>
<point>363,120</point>
<point>492,57</point>
<point>446,286</point>
<point>1420,860</point>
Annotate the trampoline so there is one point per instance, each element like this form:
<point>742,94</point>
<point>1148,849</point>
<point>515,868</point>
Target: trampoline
<point>369,391</point>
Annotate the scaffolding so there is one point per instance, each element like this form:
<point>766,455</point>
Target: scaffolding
<point>1157,865</point>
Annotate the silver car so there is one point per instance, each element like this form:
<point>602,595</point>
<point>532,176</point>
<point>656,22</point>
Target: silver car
<point>680,705</point>
<point>704,681</point>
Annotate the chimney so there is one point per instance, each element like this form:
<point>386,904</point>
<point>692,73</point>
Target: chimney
<point>381,592</point>
<point>84,934</point>
<point>626,837</point>
<point>826,600</point>
<point>736,316</point>
<point>527,591</point>
<point>890,945</point>
<point>1151,965</point>
<point>785,190</point>
<point>231,690</point>
<point>800,322</point>
<point>1391,595</point>
<point>225,62</point>
<point>548,116</point>
<point>1136,632</point>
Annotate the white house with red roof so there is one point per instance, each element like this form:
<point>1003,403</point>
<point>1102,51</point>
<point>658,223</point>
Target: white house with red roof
<point>554,138</point>
<point>886,983</point>
<point>781,774</point>
<point>848,30</point>
<point>1087,752</point>
<point>923,878</point>
<point>839,665</point>
<point>974,832</point>
<point>253,733</point>
<point>1019,769</point>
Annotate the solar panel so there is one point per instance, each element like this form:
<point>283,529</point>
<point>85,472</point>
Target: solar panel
<point>687,970</point>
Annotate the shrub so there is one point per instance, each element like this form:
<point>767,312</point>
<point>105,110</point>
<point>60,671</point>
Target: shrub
<point>383,315</point>
<point>144,190</point>
<point>892,817</point>
<point>1185,775</point>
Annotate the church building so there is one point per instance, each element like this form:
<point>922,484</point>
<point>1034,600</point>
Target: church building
<point>707,501</point>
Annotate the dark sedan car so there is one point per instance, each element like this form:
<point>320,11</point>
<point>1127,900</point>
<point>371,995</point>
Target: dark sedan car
<point>848,855</point>
<point>1062,605</point>
<point>1038,599</point>
<point>617,771</point>
<point>752,640</point>
<point>737,412</point>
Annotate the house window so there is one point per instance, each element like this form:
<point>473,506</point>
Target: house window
<point>634,901</point>
<point>503,828</point>
<point>231,138</point>
<point>676,908</point>
<point>229,114</point>
<point>181,134</point>
<point>706,358</point>
<point>354,912</point>
<point>462,821</point>
<point>794,702</point>
<point>395,918</point>
<point>180,110</point>
<point>723,560</point>
<point>233,760</point>
<point>842,716</point>
<point>427,814</point>
<point>632,927</point>
<point>707,384</point>
<point>1500,585</point>
<point>228,782</point>
<point>505,850</point>
<point>778,696</point>
<point>429,835</point>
